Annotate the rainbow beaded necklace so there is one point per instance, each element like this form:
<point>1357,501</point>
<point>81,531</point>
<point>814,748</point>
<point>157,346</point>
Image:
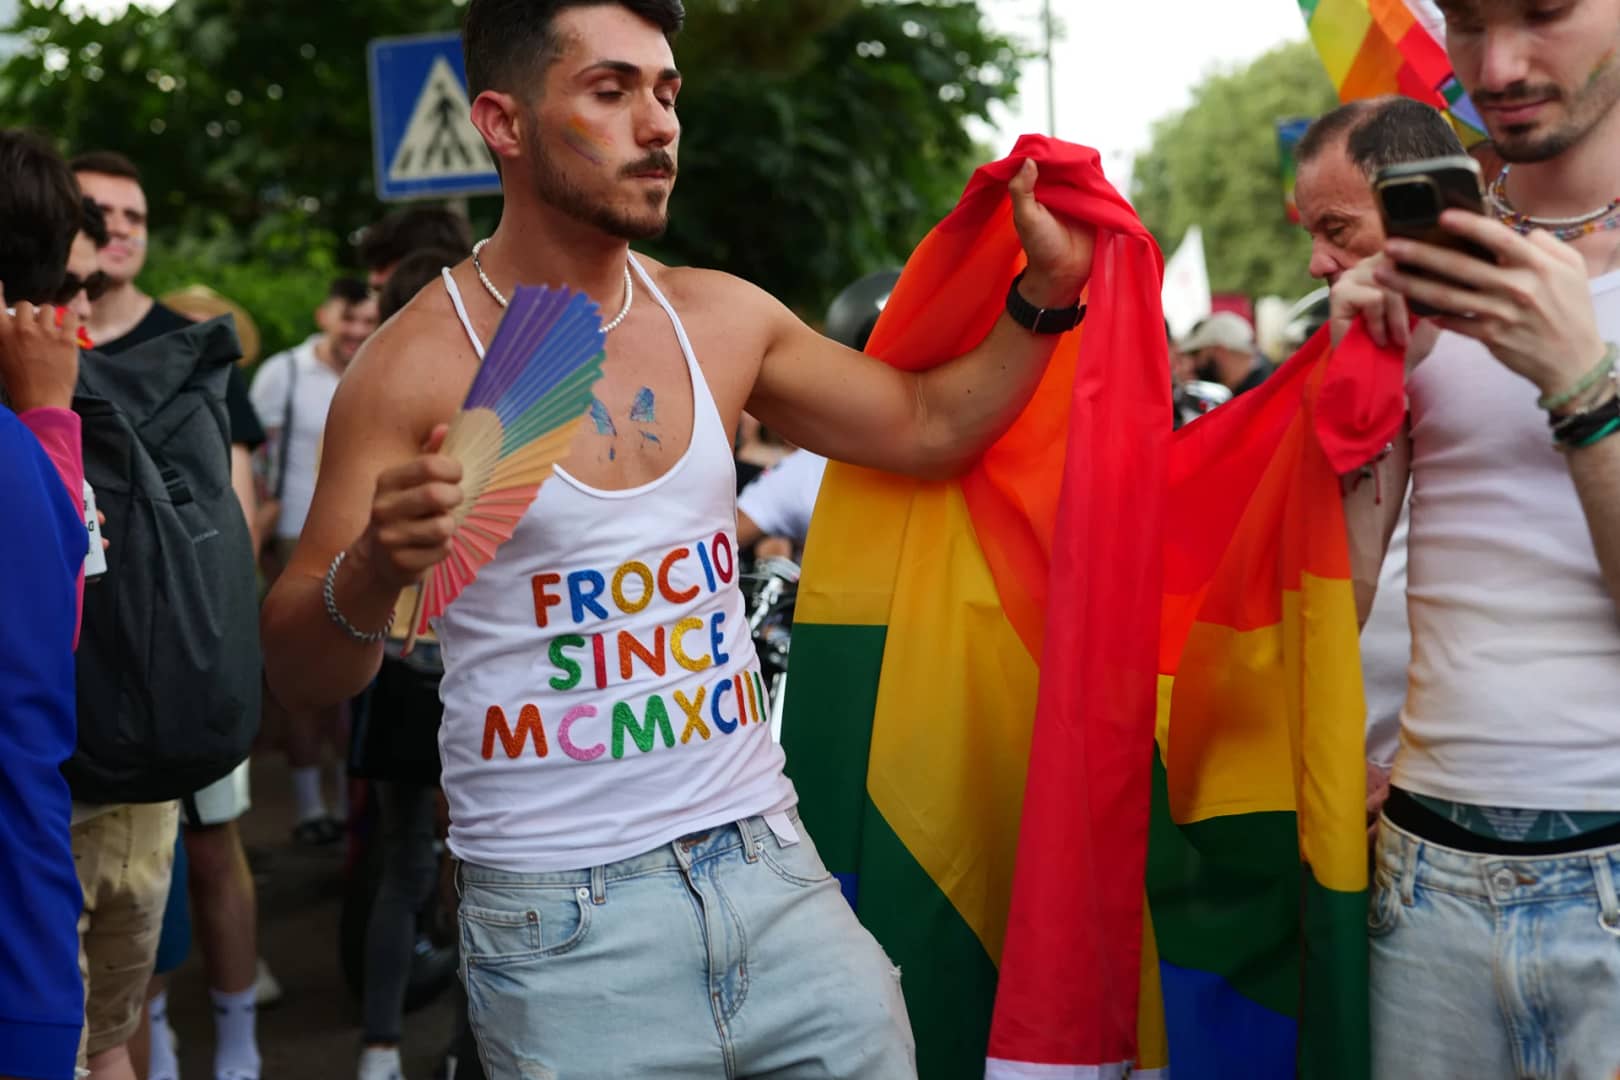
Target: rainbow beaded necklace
<point>1563,228</point>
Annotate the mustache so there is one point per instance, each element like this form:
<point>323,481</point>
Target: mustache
<point>1517,94</point>
<point>657,160</point>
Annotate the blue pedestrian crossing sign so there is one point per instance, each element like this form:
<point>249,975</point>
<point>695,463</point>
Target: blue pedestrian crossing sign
<point>423,142</point>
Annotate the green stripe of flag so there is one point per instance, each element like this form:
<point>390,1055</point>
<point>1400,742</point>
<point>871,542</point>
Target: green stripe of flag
<point>948,978</point>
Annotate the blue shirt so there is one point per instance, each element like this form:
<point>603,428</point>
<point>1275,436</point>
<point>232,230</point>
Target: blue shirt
<point>42,548</point>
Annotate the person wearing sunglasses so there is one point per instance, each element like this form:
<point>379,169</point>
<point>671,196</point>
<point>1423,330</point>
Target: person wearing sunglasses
<point>85,283</point>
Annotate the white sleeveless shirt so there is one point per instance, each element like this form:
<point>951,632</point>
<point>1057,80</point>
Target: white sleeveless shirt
<point>1514,689</point>
<point>601,692</point>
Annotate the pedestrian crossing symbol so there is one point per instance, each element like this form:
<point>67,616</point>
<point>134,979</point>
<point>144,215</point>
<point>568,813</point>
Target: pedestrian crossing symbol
<point>440,139</point>
<point>424,143</point>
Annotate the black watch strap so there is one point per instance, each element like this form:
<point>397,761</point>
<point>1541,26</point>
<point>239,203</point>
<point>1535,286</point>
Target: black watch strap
<point>1040,320</point>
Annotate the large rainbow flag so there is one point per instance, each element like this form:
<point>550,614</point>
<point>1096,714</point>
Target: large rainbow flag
<point>989,816</point>
<point>920,620</point>
<point>1375,47</point>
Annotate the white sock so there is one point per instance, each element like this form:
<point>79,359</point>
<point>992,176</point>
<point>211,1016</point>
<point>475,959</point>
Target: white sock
<point>307,802</point>
<point>162,1065</point>
<point>236,1050</point>
<point>381,1063</point>
<point>341,780</point>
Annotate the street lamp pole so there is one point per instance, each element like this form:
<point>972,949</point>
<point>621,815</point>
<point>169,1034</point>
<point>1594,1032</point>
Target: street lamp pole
<point>1051,70</point>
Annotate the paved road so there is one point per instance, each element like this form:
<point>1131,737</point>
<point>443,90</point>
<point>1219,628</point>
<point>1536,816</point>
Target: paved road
<point>314,1033</point>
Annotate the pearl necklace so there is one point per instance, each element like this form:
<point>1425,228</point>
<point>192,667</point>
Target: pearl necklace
<point>608,328</point>
<point>1570,228</point>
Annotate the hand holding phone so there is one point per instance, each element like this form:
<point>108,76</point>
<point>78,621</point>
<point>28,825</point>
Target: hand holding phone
<point>1412,196</point>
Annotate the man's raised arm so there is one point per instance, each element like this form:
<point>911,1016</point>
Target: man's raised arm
<point>842,405</point>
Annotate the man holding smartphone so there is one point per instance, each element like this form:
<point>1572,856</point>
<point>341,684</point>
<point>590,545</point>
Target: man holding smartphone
<point>1496,908</point>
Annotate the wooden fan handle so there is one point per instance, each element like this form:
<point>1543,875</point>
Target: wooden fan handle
<point>416,618</point>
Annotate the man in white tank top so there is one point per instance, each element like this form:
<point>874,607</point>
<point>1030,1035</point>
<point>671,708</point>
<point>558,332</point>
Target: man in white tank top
<point>1495,914</point>
<point>639,898</point>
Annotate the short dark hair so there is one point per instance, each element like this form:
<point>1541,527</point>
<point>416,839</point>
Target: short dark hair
<point>387,242</point>
<point>41,210</point>
<point>94,224</point>
<point>506,41</point>
<point>349,290</point>
<point>414,273</point>
<point>106,163</point>
<point>1381,131</point>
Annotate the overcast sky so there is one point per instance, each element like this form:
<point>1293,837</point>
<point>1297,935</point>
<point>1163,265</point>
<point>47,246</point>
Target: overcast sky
<point>1121,64</point>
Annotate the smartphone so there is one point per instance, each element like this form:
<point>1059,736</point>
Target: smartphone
<point>1411,197</point>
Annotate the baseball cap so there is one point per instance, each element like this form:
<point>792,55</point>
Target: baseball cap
<point>1222,330</point>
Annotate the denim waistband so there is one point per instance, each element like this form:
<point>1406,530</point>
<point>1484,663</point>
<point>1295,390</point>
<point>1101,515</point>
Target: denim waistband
<point>692,849</point>
<point>1501,880</point>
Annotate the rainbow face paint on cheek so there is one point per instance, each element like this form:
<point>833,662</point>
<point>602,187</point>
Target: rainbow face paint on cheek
<point>1603,66</point>
<point>586,141</point>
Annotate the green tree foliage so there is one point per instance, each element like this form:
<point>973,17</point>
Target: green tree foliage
<point>1217,165</point>
<point>822,137</point>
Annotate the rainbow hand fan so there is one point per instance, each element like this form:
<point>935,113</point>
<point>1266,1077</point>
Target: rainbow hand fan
<point>519,419</point>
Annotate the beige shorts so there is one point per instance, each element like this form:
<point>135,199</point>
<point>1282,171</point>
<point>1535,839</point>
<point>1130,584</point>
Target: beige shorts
<point>124,856</point>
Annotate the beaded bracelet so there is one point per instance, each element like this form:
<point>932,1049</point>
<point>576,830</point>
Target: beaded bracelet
<point>1587,381</point>
<point>336,616</point>
<point>1604,400</point>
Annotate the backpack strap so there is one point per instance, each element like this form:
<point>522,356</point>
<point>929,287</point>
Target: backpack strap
<point>179,490</point>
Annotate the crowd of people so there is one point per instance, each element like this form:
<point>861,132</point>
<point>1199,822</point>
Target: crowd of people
<point>602,865</point>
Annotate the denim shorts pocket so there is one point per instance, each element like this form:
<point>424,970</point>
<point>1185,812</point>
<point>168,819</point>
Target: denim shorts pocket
<point>1383,906</point>
<point>529,924</point>
<point>797,864</point>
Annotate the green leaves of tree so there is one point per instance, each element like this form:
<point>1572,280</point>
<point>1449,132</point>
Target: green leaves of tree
<point>822,137</point>
<point>1216,164</point>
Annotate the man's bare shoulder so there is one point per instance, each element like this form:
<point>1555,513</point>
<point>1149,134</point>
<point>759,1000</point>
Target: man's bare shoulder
<point>415,369</point>
<point>695,289</point>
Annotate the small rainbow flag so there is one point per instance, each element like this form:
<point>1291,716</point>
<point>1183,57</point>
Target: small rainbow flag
<point>1289,132</point>
<point>1376,47</point>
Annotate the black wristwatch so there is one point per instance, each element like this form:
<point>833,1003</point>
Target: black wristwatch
<point>1042,320</point>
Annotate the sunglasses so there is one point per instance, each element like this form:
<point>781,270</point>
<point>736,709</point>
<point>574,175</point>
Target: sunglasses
<point>94,287</point>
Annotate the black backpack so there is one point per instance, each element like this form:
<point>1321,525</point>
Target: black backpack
<point>168,664</point>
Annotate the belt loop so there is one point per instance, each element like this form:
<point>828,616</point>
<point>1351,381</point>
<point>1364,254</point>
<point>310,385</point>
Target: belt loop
<point>749,843</point>
<point>1603,873</point>
<point>1411,849</point>
<point>461,893</point>
<point>599,885</point>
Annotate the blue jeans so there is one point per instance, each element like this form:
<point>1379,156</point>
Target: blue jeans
<point>1493,968</point>
<point>730,953</point>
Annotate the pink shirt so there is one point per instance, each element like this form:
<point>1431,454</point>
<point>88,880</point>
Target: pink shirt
<point>58,433</point>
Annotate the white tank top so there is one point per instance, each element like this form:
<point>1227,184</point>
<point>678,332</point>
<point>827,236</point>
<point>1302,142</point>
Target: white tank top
<point>1513,696</point>
<point>601,692</point>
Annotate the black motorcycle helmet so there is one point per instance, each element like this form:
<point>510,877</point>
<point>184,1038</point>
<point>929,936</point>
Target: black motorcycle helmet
<point>854,312</point>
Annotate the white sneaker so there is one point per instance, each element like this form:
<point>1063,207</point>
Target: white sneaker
<point>379,1063</point>
<point>266,990</point>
